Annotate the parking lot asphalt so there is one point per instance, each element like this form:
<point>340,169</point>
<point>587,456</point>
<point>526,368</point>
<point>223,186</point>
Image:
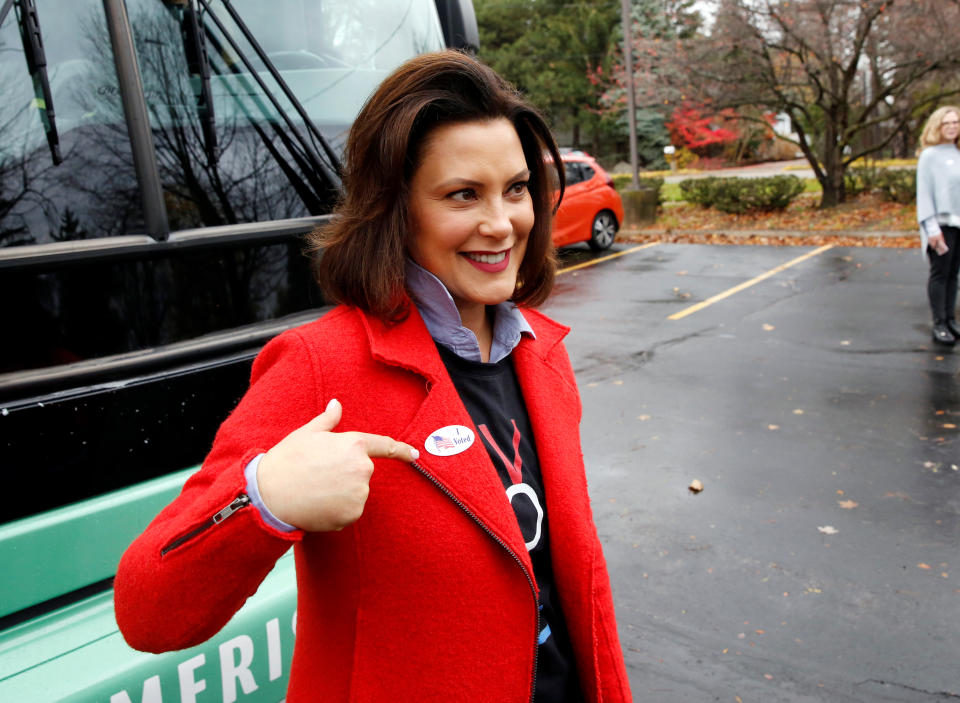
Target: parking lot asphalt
<point>820,561</point>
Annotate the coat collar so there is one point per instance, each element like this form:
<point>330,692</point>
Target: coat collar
<point>404,344</point>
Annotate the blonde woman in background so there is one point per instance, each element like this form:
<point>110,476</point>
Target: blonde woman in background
<point>938,212</point>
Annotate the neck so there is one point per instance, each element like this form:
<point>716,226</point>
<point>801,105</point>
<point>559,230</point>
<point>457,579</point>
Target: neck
<point>476,318</point>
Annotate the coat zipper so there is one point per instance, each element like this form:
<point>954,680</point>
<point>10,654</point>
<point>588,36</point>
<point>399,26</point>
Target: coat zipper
<point>495,538</point>
<point>241,501</point>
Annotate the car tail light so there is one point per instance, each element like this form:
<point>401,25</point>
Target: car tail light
<point>609,180</point>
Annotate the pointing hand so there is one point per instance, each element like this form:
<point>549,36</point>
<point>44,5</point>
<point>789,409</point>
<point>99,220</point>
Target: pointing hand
<point>317,479</point>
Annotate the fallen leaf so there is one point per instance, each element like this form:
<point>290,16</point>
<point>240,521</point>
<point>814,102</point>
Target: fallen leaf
<point>618,383</point>
<point>848,504</point>
<point>644,418</point>
<point>925,567</point>
<point>768,328</point>
<point>798,411</point>
<point>845,343</point>
<point>773,427</point>
<point>828,530</point>
<point>696,485</point>
<point>949,426</point>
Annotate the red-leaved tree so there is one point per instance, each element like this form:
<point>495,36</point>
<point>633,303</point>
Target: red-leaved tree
<point>700,131</point>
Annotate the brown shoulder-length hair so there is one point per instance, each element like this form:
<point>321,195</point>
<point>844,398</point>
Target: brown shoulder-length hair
<point>362,250</point>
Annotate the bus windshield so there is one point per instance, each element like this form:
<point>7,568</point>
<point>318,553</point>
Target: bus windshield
<point>230,145</point>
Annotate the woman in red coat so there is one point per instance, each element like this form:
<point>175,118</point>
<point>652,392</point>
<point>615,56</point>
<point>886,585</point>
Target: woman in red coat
<point>419,444</point>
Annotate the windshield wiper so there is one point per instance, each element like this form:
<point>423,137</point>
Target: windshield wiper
<point>198,63</point>
<point>332,179</point>
<point>307,189</point>
<point>37,65</point>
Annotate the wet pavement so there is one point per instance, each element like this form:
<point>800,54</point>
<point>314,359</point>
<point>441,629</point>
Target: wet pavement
<point>820,562</point>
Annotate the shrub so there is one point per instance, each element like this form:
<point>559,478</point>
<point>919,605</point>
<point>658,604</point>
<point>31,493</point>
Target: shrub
<point>898,185</point>
<point>700,191</point>
<point>737,195</point>
<point>860,179</point>
<point>893,184</point>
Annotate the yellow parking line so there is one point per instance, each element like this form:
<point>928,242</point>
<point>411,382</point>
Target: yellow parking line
<point>607,258</point>
<point>746,284</point>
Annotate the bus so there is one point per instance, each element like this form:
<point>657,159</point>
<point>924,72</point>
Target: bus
<point>160,164</point>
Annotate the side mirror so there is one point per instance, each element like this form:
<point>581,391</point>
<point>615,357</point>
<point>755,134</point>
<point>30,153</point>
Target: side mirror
<point>459,24</point>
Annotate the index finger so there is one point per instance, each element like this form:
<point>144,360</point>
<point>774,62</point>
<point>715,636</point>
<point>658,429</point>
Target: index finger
<point>381,446</point>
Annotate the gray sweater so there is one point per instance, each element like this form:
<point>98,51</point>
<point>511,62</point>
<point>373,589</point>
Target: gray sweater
<point>938,189</point>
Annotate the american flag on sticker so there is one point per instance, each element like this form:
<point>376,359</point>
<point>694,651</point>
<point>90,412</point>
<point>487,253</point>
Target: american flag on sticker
<point>442,442</point>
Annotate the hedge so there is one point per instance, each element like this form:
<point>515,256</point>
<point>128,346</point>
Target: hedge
<point>898,185</point>
<point>738,195</point>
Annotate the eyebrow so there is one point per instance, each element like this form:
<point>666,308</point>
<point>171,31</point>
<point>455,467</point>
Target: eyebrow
<point>456,181</point>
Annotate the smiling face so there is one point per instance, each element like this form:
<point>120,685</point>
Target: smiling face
<point>950,127</point>
<point>471,212</point>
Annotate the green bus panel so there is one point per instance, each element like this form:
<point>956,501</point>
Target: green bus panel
<point>77,655</point>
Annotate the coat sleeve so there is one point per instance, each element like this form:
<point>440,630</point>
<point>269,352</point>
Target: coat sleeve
<point>926,202</point>
<point>181,581</point>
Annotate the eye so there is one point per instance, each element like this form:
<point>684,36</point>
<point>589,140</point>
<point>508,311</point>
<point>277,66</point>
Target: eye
<point>519,188</point>
<point>463,196</point>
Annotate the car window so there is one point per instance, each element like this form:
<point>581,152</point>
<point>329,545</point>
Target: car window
<point>572,171</point>
<point>588,172</point>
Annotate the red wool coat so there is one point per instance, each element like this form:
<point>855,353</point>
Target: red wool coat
<point>430,595</point>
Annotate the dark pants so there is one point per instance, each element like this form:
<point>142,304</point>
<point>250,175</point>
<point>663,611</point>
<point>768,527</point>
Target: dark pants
<point>942,284</point>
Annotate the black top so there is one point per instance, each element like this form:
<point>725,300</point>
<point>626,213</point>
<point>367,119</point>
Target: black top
<point>493,399</point>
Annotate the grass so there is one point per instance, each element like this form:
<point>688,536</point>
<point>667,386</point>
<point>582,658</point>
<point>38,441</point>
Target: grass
<point>864,163</point>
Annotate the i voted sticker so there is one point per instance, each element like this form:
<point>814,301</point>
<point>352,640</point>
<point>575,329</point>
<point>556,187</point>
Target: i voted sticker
<point>449,440</point>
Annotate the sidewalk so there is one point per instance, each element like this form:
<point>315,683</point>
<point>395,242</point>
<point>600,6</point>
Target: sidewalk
<point>797,167</point>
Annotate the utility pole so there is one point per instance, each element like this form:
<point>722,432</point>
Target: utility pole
<point>631,99</point>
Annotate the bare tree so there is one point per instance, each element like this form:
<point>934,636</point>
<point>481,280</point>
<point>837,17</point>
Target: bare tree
<point>848,73</point>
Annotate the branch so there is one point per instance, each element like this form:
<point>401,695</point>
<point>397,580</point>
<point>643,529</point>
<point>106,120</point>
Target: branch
<point>899,124</point>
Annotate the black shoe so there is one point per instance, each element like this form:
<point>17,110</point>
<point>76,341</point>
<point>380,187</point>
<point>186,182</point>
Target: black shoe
<point>943,335</point>
<point>954,330</point>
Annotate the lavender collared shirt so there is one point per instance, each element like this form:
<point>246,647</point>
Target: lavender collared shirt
<point>440,315</point>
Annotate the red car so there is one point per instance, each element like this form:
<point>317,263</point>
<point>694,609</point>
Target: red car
<point>591,210</point>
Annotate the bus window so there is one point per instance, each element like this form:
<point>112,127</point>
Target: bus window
<point>93,192</point>
<point>227,152</point>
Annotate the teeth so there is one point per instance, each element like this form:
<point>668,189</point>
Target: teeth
<point>488,258</point>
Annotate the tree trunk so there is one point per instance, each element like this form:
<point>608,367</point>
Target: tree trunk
<point>832,184</point>
<point>576,134</point>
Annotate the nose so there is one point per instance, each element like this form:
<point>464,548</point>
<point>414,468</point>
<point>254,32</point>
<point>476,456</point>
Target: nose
<point>496,220</point>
